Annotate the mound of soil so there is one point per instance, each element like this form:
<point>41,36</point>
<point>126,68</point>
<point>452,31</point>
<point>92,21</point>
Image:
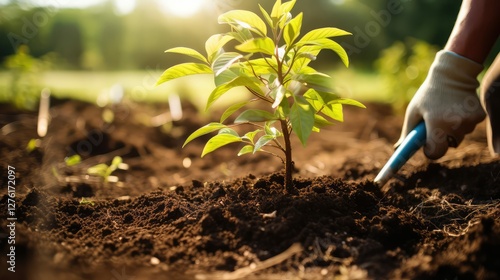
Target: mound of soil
<point>172,215</point>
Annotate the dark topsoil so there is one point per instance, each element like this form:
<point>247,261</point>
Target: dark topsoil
<point>176,216</point>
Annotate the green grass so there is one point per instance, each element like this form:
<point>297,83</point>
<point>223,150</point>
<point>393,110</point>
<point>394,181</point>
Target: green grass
<point>360,85</point>
<point>140,86</point>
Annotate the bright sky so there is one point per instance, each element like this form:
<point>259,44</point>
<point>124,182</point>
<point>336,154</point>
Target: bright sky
<point>180,8</point>
<point>184,8</point>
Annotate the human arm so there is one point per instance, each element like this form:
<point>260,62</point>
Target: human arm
<point>447,100</point>
<point>476,29</point>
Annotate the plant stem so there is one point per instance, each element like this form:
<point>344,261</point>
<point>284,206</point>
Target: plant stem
<point>288,156</point>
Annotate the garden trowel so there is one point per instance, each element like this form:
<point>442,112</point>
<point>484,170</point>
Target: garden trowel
<point>413,141</point>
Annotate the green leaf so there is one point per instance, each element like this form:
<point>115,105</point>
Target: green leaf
<point>347,101</point>
<point>211,127</point>
<point>266,15</point>
<point>181,70</point>
<point>189,52</point>
<point>287,7</point>
<point>317,81</point>
<point>276,11</point>
<point>308,55</point>
<point>311,96</point>
<point>251,135</point>
<point>302,118</point>
<point>264,140</point>
<point>241,34</point>
<point>249,82</point>
<point>331,45</point>
<point>117,160</point>
<point>254,115</point>
<point>284,13</point>
<point>233,108</point>
<point>285,18</point>
<point>335,112</point>
<point>214,45</point>
<point>322,33</point>
<point>320,102</point>
<point>278,94</point>
<point>227,76</point>
<point>228,130</point>
<point>271,130</point>
<point>245,150</point>
<point>218,141</point>
<point>327,97</point>
<point>292,30</point>
<point>262,45</point>
<point>261,66</point>
<point>309,70</point>
<point>332,99</point>
<point>283,110</point>
<point>320,122</point>
<point>304,57</point>
<point>224,61</point>
<point>73,160</point>
<point>245,19</point>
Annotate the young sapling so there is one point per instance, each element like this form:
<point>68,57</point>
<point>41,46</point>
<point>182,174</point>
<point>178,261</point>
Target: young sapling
<point>271,61</point>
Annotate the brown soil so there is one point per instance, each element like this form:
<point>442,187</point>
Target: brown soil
<point>176,216</point>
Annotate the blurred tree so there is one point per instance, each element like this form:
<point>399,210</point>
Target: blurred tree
<point>110,40</point>
<point>10,23</point>
<point>403,67</point>
<point>428,20</point>
<point>25,83</point>
<point>104,40</point>
<point>66,39</point>
<point>5,46</point>
<point>147,36</point>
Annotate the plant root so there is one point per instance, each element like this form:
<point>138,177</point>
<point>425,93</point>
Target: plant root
<point>249,270</point>
<point>453,219</point>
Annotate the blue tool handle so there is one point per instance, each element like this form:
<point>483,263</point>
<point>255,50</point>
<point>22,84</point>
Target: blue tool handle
<point>412,142</point>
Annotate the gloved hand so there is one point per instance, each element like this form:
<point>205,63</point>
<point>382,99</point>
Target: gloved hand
<point>447,102</point>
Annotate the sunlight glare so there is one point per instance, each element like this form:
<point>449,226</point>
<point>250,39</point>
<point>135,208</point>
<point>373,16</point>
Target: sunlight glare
<point>124,7</point>
<point>184,8</point>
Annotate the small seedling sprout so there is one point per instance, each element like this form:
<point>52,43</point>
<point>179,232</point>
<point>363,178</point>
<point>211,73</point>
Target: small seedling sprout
<point>73,160</point>
<point>33,144</point>
<point>86,201</point>
<point>104,171</point>
<point>271,61</point>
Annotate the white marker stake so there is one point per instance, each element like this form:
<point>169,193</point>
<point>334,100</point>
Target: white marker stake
<point>174,103</point>
<point>43,113</point>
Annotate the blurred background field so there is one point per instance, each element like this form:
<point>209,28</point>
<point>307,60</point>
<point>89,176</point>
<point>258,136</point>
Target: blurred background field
<point>84,49</point>
<point>139,86</point>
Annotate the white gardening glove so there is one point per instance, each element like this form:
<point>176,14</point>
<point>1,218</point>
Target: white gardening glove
<point>447,102</point>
